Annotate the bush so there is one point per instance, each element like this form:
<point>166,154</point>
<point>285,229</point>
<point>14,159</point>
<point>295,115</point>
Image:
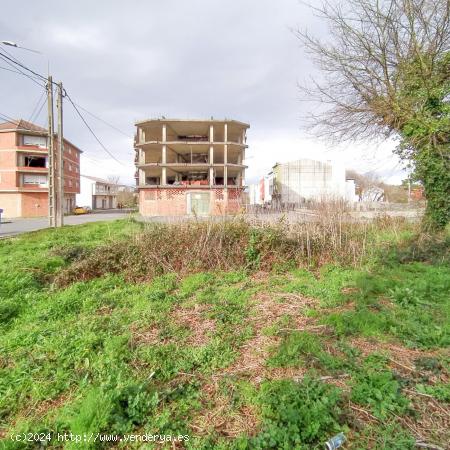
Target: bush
<point>297,414</point>
<point>380,391</point>
<point>230,245</point>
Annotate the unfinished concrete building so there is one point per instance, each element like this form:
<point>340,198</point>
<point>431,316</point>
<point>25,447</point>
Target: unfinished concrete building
<point>190,167</point>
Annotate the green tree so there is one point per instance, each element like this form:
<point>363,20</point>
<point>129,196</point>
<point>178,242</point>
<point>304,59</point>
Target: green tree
<point>386,72</point>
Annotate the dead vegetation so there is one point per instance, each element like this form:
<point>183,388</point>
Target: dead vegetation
<point>268,309</point>
<point>186,248</point>
<point>194,319</point>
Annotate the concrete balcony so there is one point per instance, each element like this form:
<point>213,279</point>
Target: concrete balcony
<point>186,144</point>
<point>27,169</point>
<point>189,166</point>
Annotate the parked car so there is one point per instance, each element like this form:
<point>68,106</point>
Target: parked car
<point>82,210</point>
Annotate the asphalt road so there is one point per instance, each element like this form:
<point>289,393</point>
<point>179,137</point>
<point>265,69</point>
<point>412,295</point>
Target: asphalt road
<point>11,227</point>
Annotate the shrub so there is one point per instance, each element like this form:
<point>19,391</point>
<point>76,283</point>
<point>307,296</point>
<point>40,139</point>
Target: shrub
<point>193,247</point>
<point>440,391</point>
<point>380,391</point>
<point>297,414</point>
<point>131,406</point>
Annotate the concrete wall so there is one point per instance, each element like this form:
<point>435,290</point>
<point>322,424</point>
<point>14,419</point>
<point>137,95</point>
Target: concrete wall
<point>307,179</point>
<point>85,197</point>
<point>175,202</point>
<point>11,204</point>
<point>34,204</point>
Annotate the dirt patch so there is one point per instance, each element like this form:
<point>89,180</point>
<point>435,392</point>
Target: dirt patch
<point>433,421</point>
<point>105,310</point>
<point>221,416</point>
<point>39,409</point>
<point>146,336</point>
<point>267,310</point>
<point>218,413</point>
<point>194,318</point>
<point>400,358</point>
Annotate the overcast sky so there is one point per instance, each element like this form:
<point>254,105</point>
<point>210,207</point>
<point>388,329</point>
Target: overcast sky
<point>135,59</point>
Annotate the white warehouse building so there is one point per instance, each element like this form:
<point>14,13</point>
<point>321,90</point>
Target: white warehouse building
<point>296,182</point>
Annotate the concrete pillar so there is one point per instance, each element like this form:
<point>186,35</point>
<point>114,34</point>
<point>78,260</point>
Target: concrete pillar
<point>211,168</point>
<point>243,136</point>
<point>164,155</point>
<point>225,162</point>
<point>239,179</point>
<point>211,155</point>
<point>225,132</point>
<point>141,177</point>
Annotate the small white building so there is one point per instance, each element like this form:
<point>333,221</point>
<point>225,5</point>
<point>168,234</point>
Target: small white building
<point>97,193</point>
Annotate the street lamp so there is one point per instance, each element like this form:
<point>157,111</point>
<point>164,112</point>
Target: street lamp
<point>13,44</point>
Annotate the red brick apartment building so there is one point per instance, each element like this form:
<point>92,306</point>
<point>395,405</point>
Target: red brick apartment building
<point>24,170</point>
<point>190,167</point>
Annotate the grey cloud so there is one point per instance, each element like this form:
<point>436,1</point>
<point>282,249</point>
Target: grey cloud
<point>130,60</point>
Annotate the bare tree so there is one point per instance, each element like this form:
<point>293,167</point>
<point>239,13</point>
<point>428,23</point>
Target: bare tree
<point>113,179</point>
<point>386,72</point>
<point>370,42</point>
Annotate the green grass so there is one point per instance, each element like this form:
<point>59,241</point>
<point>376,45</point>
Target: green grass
<point>417,310</point>
<point>116,357</point>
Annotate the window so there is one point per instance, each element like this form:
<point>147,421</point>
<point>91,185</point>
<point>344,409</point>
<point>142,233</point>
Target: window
<point>70,167</point>
<point>39,141</point>
<point>35,161</point>
<point>70,183</point>
<point>35,179</point>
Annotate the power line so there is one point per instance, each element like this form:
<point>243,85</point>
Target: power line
<point>36,106</point>
<point>11,60</point>
<point>7,118</point>
<point>21,72</point>
<point>16,61</point>
<point>92,132</point>
<point>10,70</point>
<point>40,110</point>
<point>105,122</point>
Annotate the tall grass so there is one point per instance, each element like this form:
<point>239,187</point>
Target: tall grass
<point>229,245</point>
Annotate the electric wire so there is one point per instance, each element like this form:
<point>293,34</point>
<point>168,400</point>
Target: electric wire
<point>92,132</point>
<point>12,60</point>
<point>21,72</point>
<point>36,106</point>
<point>40,110</point>
<point>105,122</point>
<point>10,70</point>
<point>16,61</point>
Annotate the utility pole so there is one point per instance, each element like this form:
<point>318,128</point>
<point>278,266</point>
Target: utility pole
<point>60,164</point>
<point>51,157</point>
